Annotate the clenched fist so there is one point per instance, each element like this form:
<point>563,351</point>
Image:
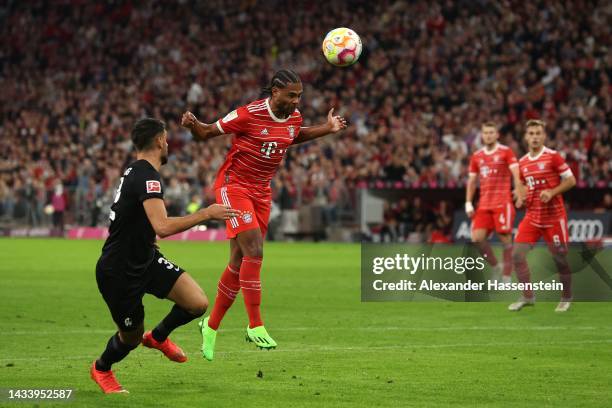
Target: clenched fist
<point>188,120</point>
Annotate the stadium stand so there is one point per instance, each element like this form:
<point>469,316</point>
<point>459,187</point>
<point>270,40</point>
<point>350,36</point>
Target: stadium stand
<point>75,75</point>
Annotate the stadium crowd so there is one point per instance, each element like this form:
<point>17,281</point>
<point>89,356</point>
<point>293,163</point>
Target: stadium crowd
<point>75,75</point>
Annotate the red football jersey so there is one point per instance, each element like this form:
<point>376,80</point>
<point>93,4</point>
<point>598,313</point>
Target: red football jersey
<point>258,147</point>
<point>543,172</point>
<point>493,169</point>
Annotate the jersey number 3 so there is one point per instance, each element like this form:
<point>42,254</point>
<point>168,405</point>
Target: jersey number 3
<point>117,195</point>
<point>112,214</point>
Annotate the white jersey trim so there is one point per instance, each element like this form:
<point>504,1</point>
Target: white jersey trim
<point>537,156</point>
<point>488,153</point>
<point>233,221</point>
<point>219,127</point>
<point>272,115</point>
<point>562,222</point>
<point>256,108</point>
<point>508,215</point>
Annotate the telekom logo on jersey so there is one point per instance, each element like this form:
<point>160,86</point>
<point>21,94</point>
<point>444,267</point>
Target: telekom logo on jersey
<point>268,148</point>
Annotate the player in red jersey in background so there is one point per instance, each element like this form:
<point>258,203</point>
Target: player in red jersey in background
<point>495,165</point>
<point>547,176</point>
<point>263,131</point>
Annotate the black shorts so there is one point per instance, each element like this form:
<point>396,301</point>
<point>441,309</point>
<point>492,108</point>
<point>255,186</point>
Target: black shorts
<point>123,288</point>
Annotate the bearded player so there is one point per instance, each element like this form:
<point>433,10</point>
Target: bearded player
<point>547,177</point>
<point>495,165</point>
<point>131,265</point>
<point>263,131</point>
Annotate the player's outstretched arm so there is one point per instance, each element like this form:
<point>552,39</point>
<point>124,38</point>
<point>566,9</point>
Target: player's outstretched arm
<point>165,226</point>
<point>200,131</point>
<point>334,124</point>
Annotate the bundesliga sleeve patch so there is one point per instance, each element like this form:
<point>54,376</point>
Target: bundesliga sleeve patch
<point>153,186</point>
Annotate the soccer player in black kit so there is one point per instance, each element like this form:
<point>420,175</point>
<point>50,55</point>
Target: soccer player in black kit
<point>131,264</point>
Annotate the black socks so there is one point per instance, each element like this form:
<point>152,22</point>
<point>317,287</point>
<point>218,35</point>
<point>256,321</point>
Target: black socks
<point>177,317</point>
<point>115,352</point>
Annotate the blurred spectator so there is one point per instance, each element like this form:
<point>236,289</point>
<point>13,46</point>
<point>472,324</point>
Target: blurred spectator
<point>58,201</point>
<point>194,205</point>
<point>389,231</point>
<point>605,205</point>
<point>441,229</point>
<point>176,195</point>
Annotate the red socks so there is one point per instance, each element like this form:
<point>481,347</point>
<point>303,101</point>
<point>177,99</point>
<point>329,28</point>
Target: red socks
<point>487,252</point>
<point>522,273</point>
<point>230,284</point>
<point>565,275</point>
<point>508,260</point>
<point>250,284</point>
<point>566,279</point>
<point>228,288</point>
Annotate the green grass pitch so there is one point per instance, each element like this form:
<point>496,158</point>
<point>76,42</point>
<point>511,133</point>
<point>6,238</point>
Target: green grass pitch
<point>333,349</point>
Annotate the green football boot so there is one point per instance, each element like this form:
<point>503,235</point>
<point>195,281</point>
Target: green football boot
<point>260,337</point>
<point>209,336</point>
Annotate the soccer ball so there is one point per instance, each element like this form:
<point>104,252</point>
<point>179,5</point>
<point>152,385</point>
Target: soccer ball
<point>342,47</point>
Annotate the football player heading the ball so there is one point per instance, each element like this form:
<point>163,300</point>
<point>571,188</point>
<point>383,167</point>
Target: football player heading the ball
<point>263,131</point>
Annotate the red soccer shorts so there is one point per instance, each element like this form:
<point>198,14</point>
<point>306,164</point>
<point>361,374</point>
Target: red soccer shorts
<point>555,235</point>
<point>499,219</point>
<point>255,211</point>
